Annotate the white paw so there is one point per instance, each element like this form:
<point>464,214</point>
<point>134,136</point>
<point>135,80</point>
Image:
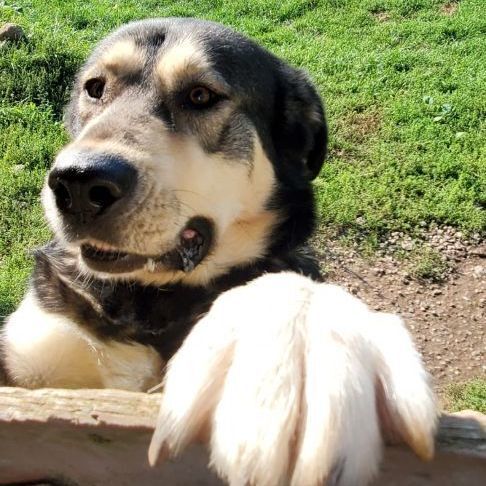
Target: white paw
<point>293,382</point>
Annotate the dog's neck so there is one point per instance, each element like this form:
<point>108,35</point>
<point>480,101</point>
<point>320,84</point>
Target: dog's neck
<point>160,316</point>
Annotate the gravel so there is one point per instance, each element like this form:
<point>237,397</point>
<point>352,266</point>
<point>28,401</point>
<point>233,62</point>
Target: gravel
<point>445,314</point>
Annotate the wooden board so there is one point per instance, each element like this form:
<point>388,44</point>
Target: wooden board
<point>100,437</point>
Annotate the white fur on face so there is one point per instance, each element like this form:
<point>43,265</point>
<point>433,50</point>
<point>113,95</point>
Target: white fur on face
<point>43,349</point>
<point>184,59</point>
<point>124,57</point>
<point>287,386</point>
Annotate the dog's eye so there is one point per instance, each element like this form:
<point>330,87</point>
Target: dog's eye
<point>201,97</point>
<point>95,88</point>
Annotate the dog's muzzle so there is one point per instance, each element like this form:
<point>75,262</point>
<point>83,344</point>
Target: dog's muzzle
<point>91,190</point>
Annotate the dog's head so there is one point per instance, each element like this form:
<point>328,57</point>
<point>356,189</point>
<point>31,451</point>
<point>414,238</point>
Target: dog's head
<point>193,151</point>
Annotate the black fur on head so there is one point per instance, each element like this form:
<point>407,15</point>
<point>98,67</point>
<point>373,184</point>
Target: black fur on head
<point>299,130</point>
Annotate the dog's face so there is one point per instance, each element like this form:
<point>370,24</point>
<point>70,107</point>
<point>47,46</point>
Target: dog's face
<point>191,151</point>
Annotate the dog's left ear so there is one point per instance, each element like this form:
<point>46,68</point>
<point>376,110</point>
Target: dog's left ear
<point>299,129</point>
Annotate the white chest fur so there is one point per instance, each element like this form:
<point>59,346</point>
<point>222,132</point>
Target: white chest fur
<point>43,349</point>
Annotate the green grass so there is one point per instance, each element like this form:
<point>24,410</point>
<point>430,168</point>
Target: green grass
<point>403,83</point>
<point>467,396</point>
<point>427,264</point>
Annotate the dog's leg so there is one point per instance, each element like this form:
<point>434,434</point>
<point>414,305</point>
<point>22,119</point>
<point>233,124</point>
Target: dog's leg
<point>359,363</point>
<point>293,380</point>
<point>43,349</point>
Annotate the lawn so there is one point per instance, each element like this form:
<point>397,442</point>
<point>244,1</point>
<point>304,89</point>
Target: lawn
<point>403,82</point>
<point>467,396</point>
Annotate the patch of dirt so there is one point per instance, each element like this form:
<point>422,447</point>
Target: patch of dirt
<point>449,8</point>
<point>443,305</point>
<point>381,16</point>
<point>354,128</point>
<point>363,124</point>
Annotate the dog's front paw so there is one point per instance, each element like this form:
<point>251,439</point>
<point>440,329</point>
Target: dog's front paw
<point>294,382</point>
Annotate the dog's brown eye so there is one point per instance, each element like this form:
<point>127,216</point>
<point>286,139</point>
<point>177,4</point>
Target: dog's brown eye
<point>95,87</point>
<point>201,97</point>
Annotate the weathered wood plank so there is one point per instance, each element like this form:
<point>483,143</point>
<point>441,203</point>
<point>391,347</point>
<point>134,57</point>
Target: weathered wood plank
<point>100,437</point>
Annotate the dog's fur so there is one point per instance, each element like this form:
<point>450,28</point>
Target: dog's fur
<point>281,355</point>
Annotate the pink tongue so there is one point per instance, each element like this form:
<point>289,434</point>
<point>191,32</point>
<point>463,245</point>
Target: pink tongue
<point>189,234</point>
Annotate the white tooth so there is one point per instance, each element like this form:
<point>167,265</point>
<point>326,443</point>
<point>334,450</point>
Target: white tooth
<point>100,246</point>
<point>150,265</point>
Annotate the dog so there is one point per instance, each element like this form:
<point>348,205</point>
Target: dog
<point>181,211</point>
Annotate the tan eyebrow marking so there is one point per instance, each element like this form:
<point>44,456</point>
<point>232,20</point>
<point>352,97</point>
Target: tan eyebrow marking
<point>182,60</point>
<point>124,57</point>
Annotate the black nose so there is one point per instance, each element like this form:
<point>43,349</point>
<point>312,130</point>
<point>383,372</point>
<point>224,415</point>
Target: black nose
<point>86,185</point>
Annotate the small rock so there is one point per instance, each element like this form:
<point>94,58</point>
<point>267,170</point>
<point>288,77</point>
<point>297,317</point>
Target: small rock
<point>479,271</point>
<point>407,245</point>
<point>480,251</point>
<point>11,32</point>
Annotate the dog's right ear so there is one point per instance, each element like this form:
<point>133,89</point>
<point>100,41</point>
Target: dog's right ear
<point>299,128</point>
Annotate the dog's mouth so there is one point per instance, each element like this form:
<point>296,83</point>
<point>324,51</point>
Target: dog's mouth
<point>193,244</point>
